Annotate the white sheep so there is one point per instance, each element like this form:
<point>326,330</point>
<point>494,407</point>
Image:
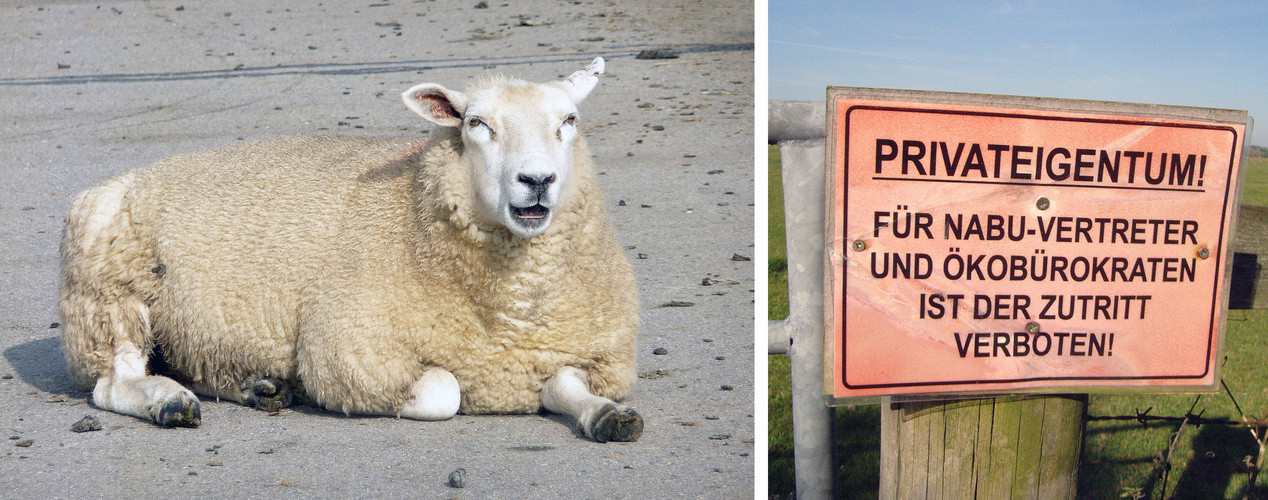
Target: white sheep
<point>475,272</point>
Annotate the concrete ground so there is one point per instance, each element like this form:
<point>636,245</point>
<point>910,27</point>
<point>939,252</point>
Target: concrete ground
<point>94,88</point>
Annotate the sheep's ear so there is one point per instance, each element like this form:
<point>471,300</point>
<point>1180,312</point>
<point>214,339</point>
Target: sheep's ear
<point>579,84</point>
<point>437,104</point>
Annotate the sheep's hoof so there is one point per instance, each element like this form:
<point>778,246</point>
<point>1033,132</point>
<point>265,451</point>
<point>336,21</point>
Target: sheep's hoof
<point>179,410</point>
<point>266,393</point>
<point>617,424</point>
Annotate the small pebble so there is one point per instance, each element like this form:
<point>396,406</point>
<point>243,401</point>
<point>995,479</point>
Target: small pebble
<point>727,387</point>
<point>740,258</point>
<point>7,376</point>
<point>719,437</point>
<point>25,443</point>
<point>458,478</point>
<point>660,351</point>
<point>86,424</point>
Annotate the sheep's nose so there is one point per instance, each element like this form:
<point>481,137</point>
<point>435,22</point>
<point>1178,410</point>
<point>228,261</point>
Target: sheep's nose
<point>538,183</point>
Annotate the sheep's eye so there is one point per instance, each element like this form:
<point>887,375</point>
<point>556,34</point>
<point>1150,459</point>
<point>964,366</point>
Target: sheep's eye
<point>474,122</point>
<point>570,120</point>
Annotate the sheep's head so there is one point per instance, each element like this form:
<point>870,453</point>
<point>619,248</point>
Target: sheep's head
<point>517,139</point>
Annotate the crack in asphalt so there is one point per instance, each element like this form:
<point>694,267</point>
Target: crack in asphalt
<point>364,68</point>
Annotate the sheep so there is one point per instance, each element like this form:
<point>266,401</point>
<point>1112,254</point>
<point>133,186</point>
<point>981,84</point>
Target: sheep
<point>475,272</point>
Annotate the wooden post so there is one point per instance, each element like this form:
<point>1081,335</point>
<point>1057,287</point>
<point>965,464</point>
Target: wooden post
<point>1005,447</point>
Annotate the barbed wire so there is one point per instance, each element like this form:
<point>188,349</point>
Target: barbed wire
<point>1162,461</point>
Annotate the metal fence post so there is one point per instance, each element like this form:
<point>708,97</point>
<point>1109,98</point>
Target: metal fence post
<point>799,131</point>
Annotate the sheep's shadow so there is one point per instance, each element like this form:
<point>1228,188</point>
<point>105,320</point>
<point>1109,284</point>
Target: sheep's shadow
<point>312,409</point>
<point>41,364</point>
<point>565,420</point>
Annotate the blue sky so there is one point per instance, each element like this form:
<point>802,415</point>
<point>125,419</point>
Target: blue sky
<point>1180,53</point>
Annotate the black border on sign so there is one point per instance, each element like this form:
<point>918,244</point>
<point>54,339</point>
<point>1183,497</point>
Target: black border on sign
<point>1216,293</point>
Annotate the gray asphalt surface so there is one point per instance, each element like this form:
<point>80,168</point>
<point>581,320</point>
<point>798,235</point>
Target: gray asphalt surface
<point>92,89</point>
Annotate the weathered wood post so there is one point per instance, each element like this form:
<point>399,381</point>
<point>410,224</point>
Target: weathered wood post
<point>1016,447</point>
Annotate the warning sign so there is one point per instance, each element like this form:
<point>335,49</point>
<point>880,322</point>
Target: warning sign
<point>987,249</point>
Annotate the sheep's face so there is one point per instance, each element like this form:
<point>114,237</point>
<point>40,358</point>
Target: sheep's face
<point>517,140</point>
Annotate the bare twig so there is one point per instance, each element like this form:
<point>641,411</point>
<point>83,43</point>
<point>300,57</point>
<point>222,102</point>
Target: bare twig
<point>1171,448</point>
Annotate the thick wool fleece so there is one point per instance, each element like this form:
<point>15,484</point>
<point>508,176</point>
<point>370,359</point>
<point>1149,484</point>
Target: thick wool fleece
<point>348,266</point>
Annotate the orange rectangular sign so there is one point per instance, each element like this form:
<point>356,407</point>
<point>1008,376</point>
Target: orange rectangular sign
<point>997,250</point>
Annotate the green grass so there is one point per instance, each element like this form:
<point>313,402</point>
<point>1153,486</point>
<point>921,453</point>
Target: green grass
<point>1255,186</point>
<point>778,264</point>
<point>1118,457</point>
<point>779,395</point>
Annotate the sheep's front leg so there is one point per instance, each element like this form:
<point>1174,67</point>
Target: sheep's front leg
<point>130,391</point>
<point>435,396</point>
<point>599,418</point>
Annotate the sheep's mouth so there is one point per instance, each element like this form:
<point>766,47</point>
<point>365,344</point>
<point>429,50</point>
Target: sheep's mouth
<point>530,216</point>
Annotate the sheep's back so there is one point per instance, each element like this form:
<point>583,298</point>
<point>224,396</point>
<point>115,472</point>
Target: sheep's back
<point>241,233</point>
